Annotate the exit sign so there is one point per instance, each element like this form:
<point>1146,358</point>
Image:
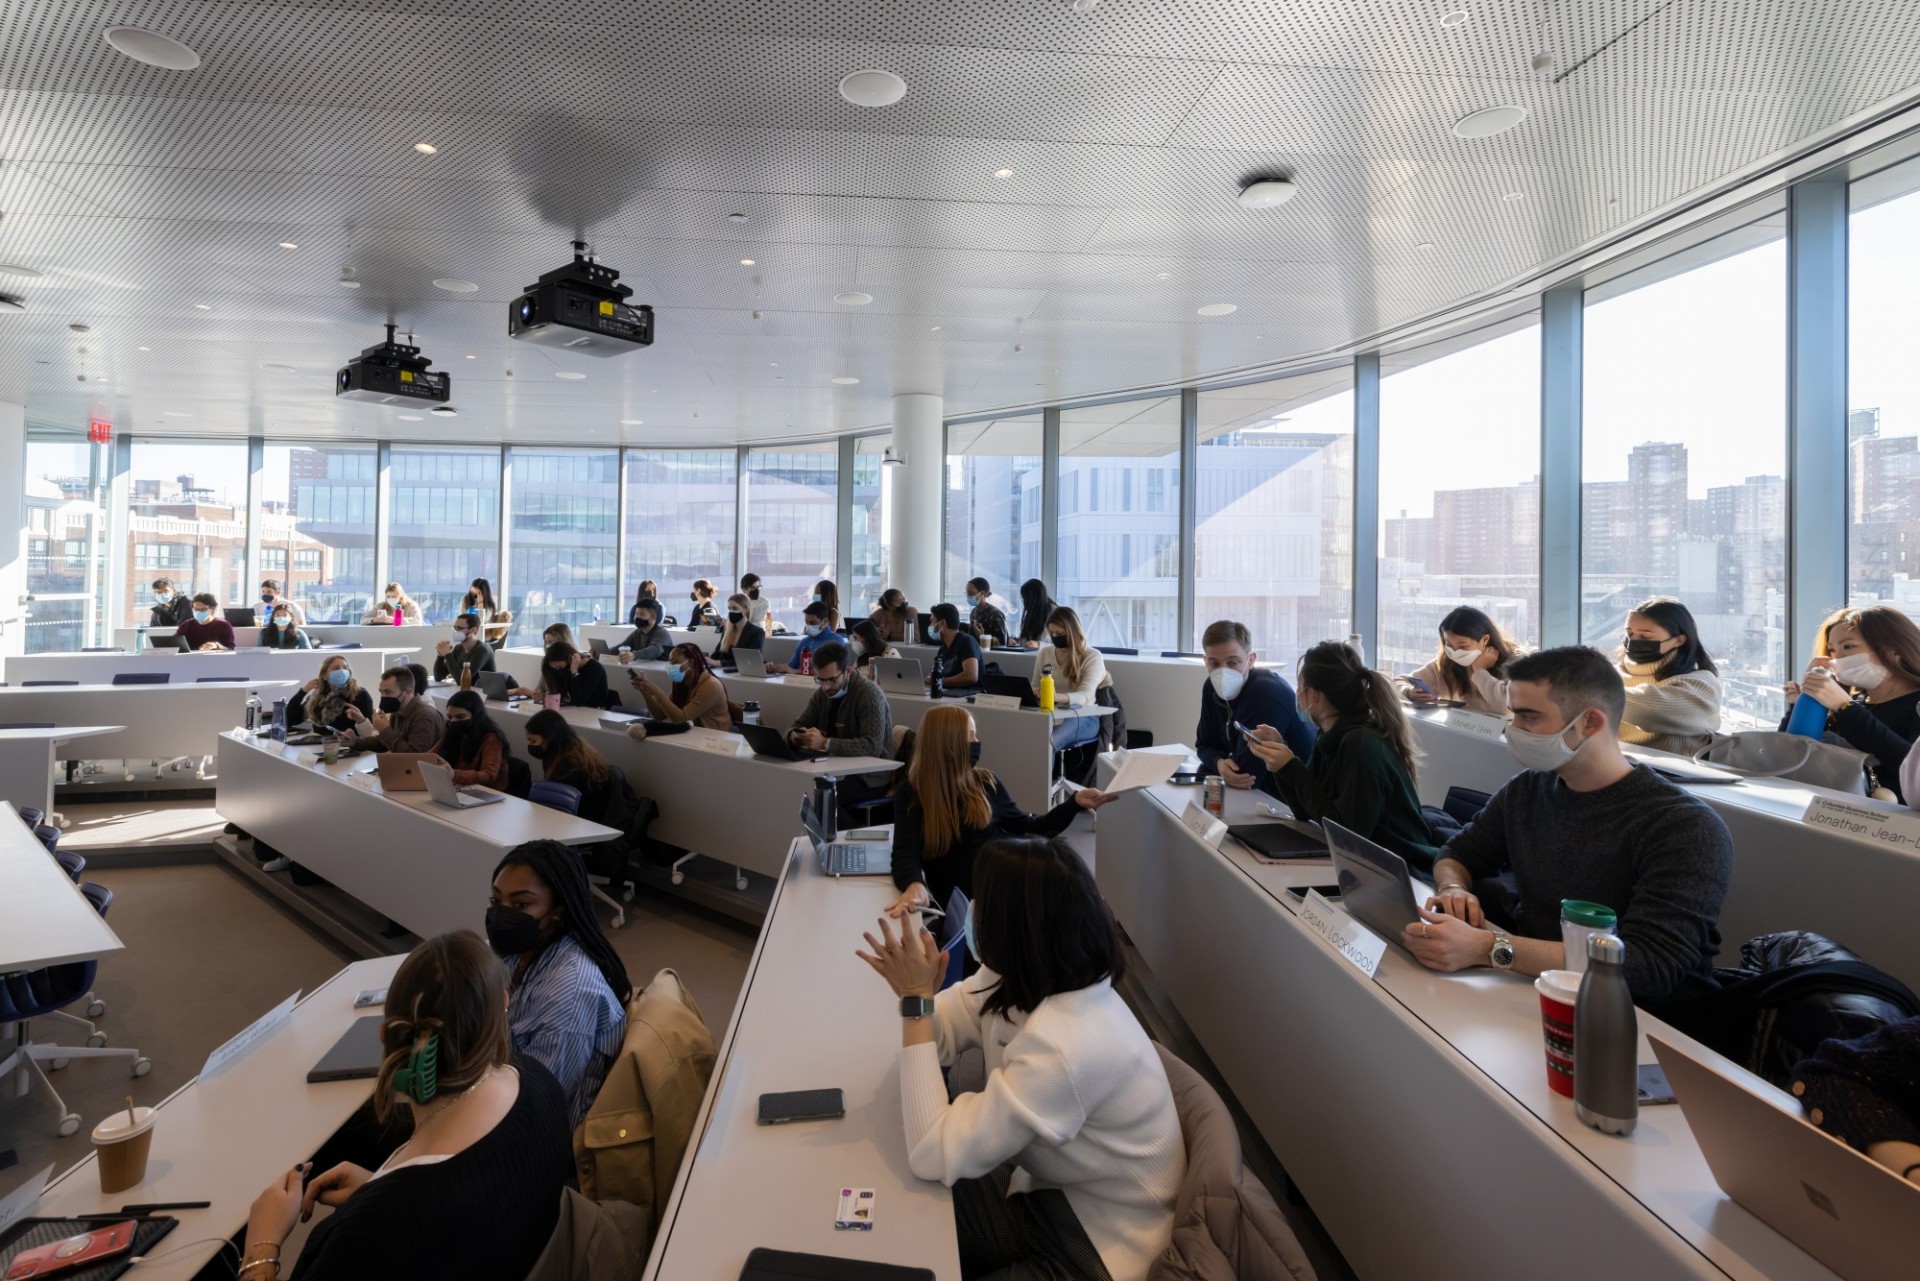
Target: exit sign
<point>100,433</point>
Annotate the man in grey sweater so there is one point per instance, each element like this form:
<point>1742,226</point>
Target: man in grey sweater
<point>847,716</point>
<point>1581,821</point>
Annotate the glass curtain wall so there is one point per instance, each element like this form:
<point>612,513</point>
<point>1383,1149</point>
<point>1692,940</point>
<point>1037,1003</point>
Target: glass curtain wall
<point>790,494</point>
<point>316,527</point>
<point>66,553</point>
<point>680,524</point>
<point>1119,522</point>
<point>444,529</point>
<point>872,496</point>
<point>1273,529</point>
<point>1459,490</point>
<point>563,535</point>
<point>1883,425</point>
<point>186,520</point>
<point>1683,489</point>
<point>993,507</point>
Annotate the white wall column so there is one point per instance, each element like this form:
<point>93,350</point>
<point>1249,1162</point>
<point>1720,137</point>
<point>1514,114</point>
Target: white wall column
<point>916,517</point>
<point>13,515</point>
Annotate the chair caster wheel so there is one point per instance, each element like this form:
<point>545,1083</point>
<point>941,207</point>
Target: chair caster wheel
<point>69,1124</point>
<point>626,895</point>
<point>54,1065</point>
<point>96,1008</point>
<point>97,1039</point>
<point>142,1066</point>
<point>679,876</point>
<point>740,883</point>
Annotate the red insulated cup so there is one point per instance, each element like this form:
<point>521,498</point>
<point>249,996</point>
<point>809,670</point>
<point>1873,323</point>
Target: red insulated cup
<point>1559,990</point>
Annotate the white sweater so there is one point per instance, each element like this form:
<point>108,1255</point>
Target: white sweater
<point>1093,673</point>
<point>1678,714</point>
<point>1486,692</point>
<point>1075,1096</point>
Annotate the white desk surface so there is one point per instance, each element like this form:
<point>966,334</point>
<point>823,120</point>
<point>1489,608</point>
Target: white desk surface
<point>811,1016</point>
<point>224,1139</point>
<point>148,693</point>
<point>58,733</point>
<point>44,918</point>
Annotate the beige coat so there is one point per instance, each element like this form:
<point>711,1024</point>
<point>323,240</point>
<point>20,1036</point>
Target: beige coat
<point>1486,692</point>
<point>1679,714</point>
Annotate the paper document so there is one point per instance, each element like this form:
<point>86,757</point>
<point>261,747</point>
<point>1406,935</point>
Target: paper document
<point>1143,769</point>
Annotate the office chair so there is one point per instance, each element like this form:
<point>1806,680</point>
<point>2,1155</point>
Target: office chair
<point>41,994</point>
<point>26,725</point>
<point>221,680</point>
<point>28,814</point>
<point>101,649</point>
<point>1117,649</point>
<point>28,684</point>
<point>1180,653</point>
<point>566,799</point>
<point>141,678</point>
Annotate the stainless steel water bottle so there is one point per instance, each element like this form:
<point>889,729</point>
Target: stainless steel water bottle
<point>826,801</point>
<point>1606,1034</point>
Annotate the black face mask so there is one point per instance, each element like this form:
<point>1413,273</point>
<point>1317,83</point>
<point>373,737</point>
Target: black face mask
<point>973,752</point>
<point>538,753</point>
<point>390,705</point>
<point>511,931</point>
<point>753,593</point>
<point>734,616</point>
<point>1644,651</point>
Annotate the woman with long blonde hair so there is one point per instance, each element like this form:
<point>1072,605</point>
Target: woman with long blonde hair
<point>741,631</point>
<point>380,612</point>
<point>1078,672</point>
<point>949,807</point>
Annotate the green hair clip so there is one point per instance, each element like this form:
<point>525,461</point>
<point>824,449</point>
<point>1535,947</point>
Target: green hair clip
<point>420,1078</point>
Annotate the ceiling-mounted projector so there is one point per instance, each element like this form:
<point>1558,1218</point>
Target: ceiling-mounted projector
<point>580,307</point>
<point>390,373</point>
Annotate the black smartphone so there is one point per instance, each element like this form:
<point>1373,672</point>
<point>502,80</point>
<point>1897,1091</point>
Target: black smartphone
<point>1324,891</point>
<point>1185,780</point>
<point>801,1105</point>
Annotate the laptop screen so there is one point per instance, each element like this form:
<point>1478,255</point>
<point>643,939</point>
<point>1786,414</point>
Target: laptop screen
<point>816,831</point>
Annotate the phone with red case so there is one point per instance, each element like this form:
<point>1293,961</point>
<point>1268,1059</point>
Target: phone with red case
<point>58,1258</point>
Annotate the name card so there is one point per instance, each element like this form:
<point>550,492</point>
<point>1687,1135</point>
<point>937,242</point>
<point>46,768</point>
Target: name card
<point>1899,828</point>
<point>1347,936</point>
<point>1204,824</point>
<point>720,744</point>
<point>21,1199</point>
<point>1478,724</point>
<point>262,1028</point>
<point>997,700</point>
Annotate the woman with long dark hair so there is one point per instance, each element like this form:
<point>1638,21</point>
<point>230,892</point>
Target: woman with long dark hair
<point>893,617</point>
<point>825,592</point>
<point>577,678</point>
<point>1036,607</point>
<point>698,697</point>
<point>865,643</point>
<point>1471,667</point>
<point>567,987</point>
<point>472,745</point>
<point>1866,673</point>
<point>1673,689</point>
<point>1361,771</point>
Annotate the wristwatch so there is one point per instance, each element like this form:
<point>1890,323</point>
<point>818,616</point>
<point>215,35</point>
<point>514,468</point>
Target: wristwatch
<point>1501,957</point>
<point>921,1007</point>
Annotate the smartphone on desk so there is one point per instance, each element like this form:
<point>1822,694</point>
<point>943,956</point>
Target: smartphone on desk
<point>801,1105</point>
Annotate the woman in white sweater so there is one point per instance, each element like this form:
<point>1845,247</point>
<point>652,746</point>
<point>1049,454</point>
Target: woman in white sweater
<point>1673,689</point>
<point>1075,1097</point>
<point>1078,673</point>
<point>1471,667</point>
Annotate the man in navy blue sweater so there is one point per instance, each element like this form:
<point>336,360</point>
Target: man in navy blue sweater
<point>1238,689</point>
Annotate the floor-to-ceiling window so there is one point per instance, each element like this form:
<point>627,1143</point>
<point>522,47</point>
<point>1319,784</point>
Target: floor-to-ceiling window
<point>680,524</point>
<point>1684,457</point>
<point>316,526</point>
<point>790,492</point>
<point>444,527</point>
<point>1883,357</point>
<point>186,520</point>
<point>65,545</point>
<point>1459,489</point>
<point>1119,522</point>
<point>1273,535</point>
<point>872,494</point>
<point>994,510</point>
<point>562,534</point>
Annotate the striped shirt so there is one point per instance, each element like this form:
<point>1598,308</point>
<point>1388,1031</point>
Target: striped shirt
<point>564,1016</point>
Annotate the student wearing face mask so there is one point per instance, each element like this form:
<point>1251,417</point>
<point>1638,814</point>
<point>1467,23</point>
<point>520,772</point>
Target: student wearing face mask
<point>756,608</point>
<point>272,599</point>
<point>1240,692</point>
<point>206,629</point>
<point>1036,607</point>
<point>865,643</point>
<point>740,632</point>
<point>1866,673</point>
<point>171,606</point>
<point>1471,667</point>
<point>282,632</point>
<point>472,746</point>
<point>986,620</point>
<point>577,678</point>
<point>960,659</point>
<point>648,594</point>
<point>380,612</point>
<point>894,617</point>
<point>462,658</point>
<point>816,633</point>
<point>567,758</point>
<point>1673,690</point>
<point>847,716</point>
<point>1581,821</point>
<point>406,722</point>
<point>949,807</point>
<point>1361,772</point>
<point>825,593</point>
<point>1078,672</point>
<point>703,613</point>
<point>478,602</point>
<point>327,698</point>
<point>648,642</point>
<point>567,989</point>
<point>698,697</point>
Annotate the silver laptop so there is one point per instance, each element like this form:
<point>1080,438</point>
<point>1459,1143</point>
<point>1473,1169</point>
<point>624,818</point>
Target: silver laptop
<point>751,662</point>
<point>900,675</point>
<point>1840,1206</point>
<point>1375,887</point>
<point>844,858</point>
<point>440,786</point>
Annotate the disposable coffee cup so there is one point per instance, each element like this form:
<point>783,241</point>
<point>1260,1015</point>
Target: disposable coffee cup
<point>553,702</point>
<point>1580,921</point>
<point>1559,992</point>
<point>121,1143</point>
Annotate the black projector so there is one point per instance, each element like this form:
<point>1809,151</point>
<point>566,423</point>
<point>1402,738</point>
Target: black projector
<point>391,373</point>
<point>580,307</point>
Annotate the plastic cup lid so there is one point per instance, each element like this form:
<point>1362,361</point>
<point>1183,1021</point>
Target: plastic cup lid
<point>1561,985</point>
<point>1593,915</point>
<point>118,1126</point>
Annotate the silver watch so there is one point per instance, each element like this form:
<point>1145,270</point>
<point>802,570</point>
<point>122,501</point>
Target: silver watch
<point>1501,957</point>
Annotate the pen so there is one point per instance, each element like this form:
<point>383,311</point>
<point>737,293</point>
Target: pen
<point>153,1207</point>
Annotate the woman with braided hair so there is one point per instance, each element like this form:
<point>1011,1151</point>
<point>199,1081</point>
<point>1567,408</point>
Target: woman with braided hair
<point>474,1192</point>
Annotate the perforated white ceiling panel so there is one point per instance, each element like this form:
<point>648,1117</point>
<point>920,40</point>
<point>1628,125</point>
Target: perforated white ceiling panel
<point>139,192</point>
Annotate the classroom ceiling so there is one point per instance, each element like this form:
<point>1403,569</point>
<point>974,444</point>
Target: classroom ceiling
<point>154,202</point>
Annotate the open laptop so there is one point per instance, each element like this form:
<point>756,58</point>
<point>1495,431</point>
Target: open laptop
<point>1281,838</point>
<point>1013,687</point>
<point>1840,1206</point>
<point>1375,886</point>
<point>765,740</point>
<point>441,787</point>
<point>241,616</point>
<point>400,771</point>
<point>354,1057</point>
<point>899,676</point>
<point>497,686</point>
<point>844,858</point>
<point>600,648</point>
<point>750,663</point>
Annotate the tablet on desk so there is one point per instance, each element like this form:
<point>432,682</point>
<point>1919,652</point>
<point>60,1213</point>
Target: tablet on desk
<point>354,1057</point>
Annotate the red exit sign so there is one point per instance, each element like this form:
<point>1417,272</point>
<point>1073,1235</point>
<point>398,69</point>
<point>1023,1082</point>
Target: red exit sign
<point>100,433</point>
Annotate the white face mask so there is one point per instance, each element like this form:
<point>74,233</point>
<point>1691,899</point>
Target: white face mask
<point>1227,682</point>
<point>392,601</point>
<point>1859,671</point>
<point>814,629</point>
<point>859,647</point>
<point>1465,657</point>
<point>1547,753</point>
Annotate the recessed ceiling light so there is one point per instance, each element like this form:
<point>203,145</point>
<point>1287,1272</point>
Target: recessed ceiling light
<point>276,366</point>
<point>19,269</point>
<point>853,298</point>
<point>736,217</point>
<point>872,88</point>
<point>1266,193</point>
<point>1457,18</point>
<point>410,418</point>
<point>200,306</point>
<point>78,328</point>
<point>444,411</point>
<point>288,244</point>
<point>453,286</point>
<point>143,349</point>
<point>152,48</point>
<point>746,262</point>
<point>1488,121</point>
<point>633,422</point>
<point>1219,309</point>
<point>1085,6</point>
<point>346,279</point>
<point>845,381</point>
<point>425,148</point>
<point>1424,245</point>
<point>571,375</point>
<point>1259,335</point>
<point>1162,275</point>
<point>176,413</point>
<point>773,364</point>
<point>1514,197</point>
<point>1003,173</point>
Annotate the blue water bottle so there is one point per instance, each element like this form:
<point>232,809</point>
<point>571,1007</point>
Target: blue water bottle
<point>1808,717</point>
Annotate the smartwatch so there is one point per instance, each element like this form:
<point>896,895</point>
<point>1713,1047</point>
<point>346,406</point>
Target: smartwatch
<point>916,1007</point>
<point>1501,957</point>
